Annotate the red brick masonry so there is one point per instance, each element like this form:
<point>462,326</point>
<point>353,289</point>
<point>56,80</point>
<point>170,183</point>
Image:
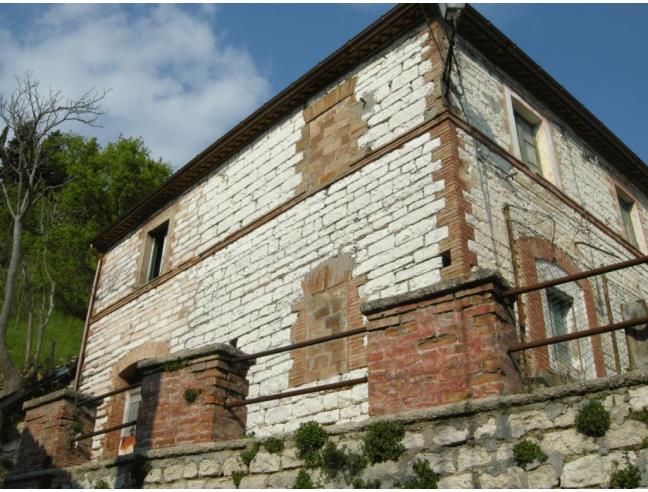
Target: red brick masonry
<point>50,424</point>
<point>442,348</point>
<point>168,416</point>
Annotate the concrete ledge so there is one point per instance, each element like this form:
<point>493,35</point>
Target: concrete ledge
<point>65,393</point>
<point>479,277</point>
<point>225,350</point>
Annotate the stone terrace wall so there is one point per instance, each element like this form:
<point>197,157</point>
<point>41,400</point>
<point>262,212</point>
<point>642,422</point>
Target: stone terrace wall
<point>468,444</point>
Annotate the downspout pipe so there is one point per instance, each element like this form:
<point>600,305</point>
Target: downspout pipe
<point>86,326</point>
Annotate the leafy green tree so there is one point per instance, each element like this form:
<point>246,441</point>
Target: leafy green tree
<point>105,182</point>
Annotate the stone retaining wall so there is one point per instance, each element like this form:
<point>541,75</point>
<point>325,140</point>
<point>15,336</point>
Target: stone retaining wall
<point>469,444</point>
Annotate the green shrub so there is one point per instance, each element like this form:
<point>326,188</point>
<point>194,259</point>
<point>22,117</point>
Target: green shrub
<point>191,395</point>
<point>343,461</point>
<point>248,455</point>
<point>333,460</point>
<point>359,483</point>
<point>644,443</point>
<point>304,481</point>
<point>592,419</point>
<point>641,416</point>
<point>75,427</point>
<point>101,484</point>
<point>274,445</point>
<point>626,478</point>
<point>237,476</point>
<point>382,441</point>
<point>309,439</point>
<point>174,365</point>
<point>424,477</point>
<point>526,452</point>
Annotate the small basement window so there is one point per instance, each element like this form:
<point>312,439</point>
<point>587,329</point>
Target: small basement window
<point>157,238</point>
<point>627,207</point>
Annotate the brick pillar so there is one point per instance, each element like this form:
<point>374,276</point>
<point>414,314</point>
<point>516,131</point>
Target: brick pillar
<point>183,397</point>
<point>50,423</point>
<point>440,346</point>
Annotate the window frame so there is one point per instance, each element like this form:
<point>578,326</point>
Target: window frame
<point>634,215</point>
<point>561,352</point>
<point>157,238</point>
<point>547,164</point>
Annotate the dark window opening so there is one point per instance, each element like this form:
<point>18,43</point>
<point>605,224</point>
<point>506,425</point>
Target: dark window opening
<point>157,237</point>
<point>446,258</point>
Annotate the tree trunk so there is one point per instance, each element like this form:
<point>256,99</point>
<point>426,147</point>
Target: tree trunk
<point>12,377</point>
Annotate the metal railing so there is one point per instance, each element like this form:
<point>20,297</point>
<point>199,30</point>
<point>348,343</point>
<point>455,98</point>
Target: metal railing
<point>571,326</point>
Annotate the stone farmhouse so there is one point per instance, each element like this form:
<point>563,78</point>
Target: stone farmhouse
<point>358,248</point>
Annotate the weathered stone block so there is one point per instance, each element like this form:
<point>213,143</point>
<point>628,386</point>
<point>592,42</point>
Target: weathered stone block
<point>513,478</point>
<point>265,463</point>
<point>472,457</point>
<point>462,481</point>
<point>543,477</point>
<point>567,442</point>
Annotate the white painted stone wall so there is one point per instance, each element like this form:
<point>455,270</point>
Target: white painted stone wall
<point>262,175</point>
<point>383,215</point>
<point>493,182</point>
<point>582,174</point>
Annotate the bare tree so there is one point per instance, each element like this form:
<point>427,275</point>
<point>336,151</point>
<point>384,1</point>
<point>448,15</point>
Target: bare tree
<point>29,117</point>
<point>40,301</point>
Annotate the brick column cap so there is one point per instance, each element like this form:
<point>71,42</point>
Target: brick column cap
<point>223,351</point>
<point>478,277</point>
<point>65,393</point>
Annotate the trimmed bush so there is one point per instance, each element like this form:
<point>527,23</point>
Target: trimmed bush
<point>237,476</point>
<point>625,478</point>
<point>309,439</point>
<point>304,481</point>
<point>592,419</point>
<point>248,455</point>
<point>273,445</point>
<point>526,452</point>
<point>424,477</point>
<point>343,461</point>
<point>191,395</point>
<point>382,441</point>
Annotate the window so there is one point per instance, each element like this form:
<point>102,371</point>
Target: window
<point>559,307</point>
<point>157,238</point>
<point>527,133</point>
<point>131,408</point>
<point>531,138</point>
<point>627,209</point>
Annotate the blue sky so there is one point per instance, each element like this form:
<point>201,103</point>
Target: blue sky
<point>182,75</point>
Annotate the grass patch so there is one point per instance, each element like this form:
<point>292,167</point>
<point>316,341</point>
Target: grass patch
<point>63,330</point>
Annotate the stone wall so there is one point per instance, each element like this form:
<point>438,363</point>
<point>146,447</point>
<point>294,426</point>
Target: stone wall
<point>468,444</point>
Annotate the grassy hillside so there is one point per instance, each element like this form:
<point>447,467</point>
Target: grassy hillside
<point>63,330</point>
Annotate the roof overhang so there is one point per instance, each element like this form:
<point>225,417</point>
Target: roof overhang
<point>500,50</point>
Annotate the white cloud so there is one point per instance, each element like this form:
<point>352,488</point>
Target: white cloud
<point>173,79</point>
